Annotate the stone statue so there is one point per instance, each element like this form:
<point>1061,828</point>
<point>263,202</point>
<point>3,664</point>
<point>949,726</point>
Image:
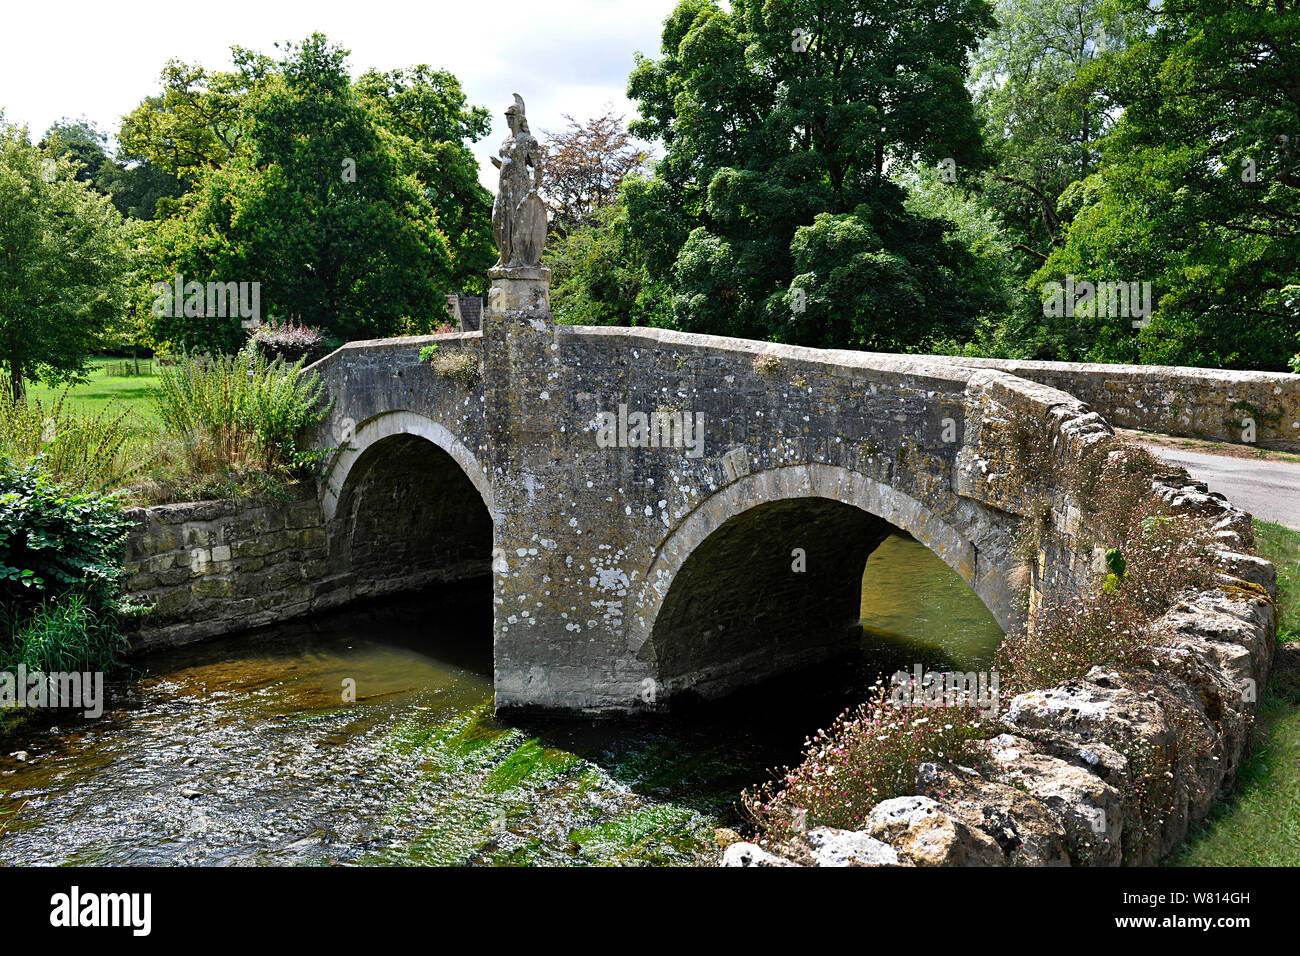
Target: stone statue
<point>518,215</point>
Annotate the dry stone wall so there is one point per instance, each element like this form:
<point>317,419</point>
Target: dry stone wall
<point>219,567</point>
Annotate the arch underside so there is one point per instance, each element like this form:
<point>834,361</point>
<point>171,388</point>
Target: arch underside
<point>403,511</point>
<point>725,605</point>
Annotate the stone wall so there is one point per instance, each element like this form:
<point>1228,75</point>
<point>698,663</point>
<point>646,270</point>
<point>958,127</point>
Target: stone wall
<point>1189,402</point>
<point>219,567</point>
<point>211,568</point>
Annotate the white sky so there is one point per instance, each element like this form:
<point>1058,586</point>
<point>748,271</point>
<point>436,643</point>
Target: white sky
<point>99,60</point>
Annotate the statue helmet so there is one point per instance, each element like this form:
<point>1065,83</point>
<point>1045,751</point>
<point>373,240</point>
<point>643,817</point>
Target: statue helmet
<point>518,110</point>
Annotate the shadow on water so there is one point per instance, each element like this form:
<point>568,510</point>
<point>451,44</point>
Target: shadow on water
<point>244,750</point>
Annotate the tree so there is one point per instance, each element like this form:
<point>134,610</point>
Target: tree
<point>196,123</point>
<point>137,186</point>
<point>1198,190</point>
<point>427,112</point>
<point>599,275</point>
<point>781,122</point>
<point>1045,104</point>
<point>65,254</point>
<point>584,166</point>
<point>83,144</point>
<point>315,207</point>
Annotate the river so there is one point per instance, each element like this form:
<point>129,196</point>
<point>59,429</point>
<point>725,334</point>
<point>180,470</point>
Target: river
<point>241,751</point>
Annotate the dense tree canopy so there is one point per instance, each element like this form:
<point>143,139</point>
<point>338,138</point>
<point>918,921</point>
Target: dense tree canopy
<point>315,206</point>
<point>884,174</point>
<point>426,113</point>
<point>781,122</point>
<point>138,188</point>
<point>1198,189</point>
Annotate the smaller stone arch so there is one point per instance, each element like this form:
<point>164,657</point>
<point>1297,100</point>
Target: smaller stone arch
<point>406,505</point>
<point>401,422</point>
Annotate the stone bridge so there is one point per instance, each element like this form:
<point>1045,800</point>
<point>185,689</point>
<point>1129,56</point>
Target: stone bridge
<point>633,570</point>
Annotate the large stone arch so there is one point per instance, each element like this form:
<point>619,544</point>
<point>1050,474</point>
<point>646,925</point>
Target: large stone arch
<point>848,512</point>
<point>406,504</point>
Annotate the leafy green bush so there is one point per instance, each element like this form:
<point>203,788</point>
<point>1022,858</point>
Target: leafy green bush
<point>95,450</point>
<point>238,411</point>
<point>54,541</point>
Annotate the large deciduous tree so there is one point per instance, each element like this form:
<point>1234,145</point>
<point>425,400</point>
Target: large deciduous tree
<point>772,208</point>
<point>1045,106</point>
<point>65,253</point>
<point>197,122</point>
<point>314,203</point>
<point>1198,190</point>
<point>426,111</point>
<point>584,167</point>
<point>136,185</point>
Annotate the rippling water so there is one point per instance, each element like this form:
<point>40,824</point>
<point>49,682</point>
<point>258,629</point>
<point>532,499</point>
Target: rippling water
<point>243,750</point>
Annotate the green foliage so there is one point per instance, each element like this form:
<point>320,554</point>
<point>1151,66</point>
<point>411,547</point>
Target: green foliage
<point>66,635</point>
<point>54,541</point>
<point>136,188</point>
<point>861,291</point>
<point>1115,561</point>
<point>1007,326</point>
<point>1198,190</point>
<point>776,162</point>
<point>599,276</point>
<point>238,411</point>
<point>310,194</point>
<point>425,113</point>
<point>65,255</point>
<point>1044,99</point>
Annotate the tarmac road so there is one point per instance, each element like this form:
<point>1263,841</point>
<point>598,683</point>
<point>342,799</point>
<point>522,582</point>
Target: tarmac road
<point>1267,489</point>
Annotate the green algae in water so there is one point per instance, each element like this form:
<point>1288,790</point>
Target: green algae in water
<point>498,796</point>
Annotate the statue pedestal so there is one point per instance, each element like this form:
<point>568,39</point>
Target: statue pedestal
<point>519,358</point>
<point>523,289</point>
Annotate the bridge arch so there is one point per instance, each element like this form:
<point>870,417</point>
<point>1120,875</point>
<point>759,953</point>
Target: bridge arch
<point>723,583</point>
<point>406,504</point>
<point>357,441</point>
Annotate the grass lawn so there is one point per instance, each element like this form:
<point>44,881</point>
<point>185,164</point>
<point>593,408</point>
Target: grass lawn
<point>1259,824</point>
<point>121,390</point>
